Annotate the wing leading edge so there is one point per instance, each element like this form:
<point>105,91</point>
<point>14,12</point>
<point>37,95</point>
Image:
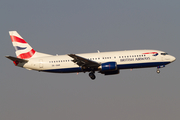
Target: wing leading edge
<point>83,61</point>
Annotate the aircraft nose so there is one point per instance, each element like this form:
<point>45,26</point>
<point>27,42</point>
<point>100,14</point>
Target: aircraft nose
<point>173,58</point>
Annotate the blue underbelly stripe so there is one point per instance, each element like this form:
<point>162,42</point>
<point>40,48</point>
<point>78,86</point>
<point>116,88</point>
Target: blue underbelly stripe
<point>141,65</point>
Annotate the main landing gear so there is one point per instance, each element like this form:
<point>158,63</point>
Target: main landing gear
<point>91,75</point>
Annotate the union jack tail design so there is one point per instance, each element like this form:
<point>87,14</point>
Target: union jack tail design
<point>23,49</point>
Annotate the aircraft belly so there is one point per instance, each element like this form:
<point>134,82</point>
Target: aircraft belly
<point>64,70</point>
<point>141,65</point>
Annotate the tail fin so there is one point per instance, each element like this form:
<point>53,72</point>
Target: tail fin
<point>23,49</point>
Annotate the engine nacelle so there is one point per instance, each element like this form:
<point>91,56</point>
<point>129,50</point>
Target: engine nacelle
<point>108,66</point>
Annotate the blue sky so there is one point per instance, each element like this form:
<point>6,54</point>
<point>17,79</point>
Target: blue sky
<point>77,26</point>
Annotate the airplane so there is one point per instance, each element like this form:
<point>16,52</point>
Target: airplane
<point>107,63</point>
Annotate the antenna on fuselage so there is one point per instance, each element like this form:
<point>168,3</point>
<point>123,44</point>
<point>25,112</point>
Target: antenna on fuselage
<point>98,51</point>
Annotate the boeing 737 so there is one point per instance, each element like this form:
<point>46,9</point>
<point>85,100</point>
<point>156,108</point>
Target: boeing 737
<point>107,63</point>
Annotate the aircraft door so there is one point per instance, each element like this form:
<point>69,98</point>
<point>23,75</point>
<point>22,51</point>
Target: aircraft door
<point>40,63</point>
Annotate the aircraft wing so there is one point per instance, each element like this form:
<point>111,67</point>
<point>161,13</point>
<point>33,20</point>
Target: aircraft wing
<point>83,61</point>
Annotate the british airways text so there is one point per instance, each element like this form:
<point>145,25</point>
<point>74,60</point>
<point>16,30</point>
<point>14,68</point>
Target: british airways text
<point>134,59</point>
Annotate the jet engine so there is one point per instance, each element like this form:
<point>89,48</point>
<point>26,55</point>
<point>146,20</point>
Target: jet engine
<point>108,66</point>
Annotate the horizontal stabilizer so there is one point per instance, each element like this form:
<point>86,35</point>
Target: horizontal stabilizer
<point>16,59</point>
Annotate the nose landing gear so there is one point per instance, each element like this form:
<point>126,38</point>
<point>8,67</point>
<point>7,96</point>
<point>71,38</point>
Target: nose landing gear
<point>91,75</point>
<point>158,71</point>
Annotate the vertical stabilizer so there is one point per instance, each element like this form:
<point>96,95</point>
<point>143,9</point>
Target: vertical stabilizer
<point>23,49</point>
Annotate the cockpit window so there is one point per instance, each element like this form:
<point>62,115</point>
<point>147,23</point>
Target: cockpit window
<point>164,53</point>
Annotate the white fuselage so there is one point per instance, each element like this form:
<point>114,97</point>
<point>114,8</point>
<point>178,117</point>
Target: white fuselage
<point>107,63</point>
<point>125,60</point>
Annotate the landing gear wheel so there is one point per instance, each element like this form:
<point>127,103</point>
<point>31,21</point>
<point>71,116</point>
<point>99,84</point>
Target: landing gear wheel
<point>158,71</point>
<point>92,76</point>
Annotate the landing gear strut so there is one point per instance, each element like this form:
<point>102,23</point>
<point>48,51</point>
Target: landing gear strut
<point>158,71</point>
<point>92,76</point>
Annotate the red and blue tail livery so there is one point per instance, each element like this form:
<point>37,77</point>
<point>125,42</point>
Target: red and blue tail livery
<point>23,49</point>
<point>107,63</point>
